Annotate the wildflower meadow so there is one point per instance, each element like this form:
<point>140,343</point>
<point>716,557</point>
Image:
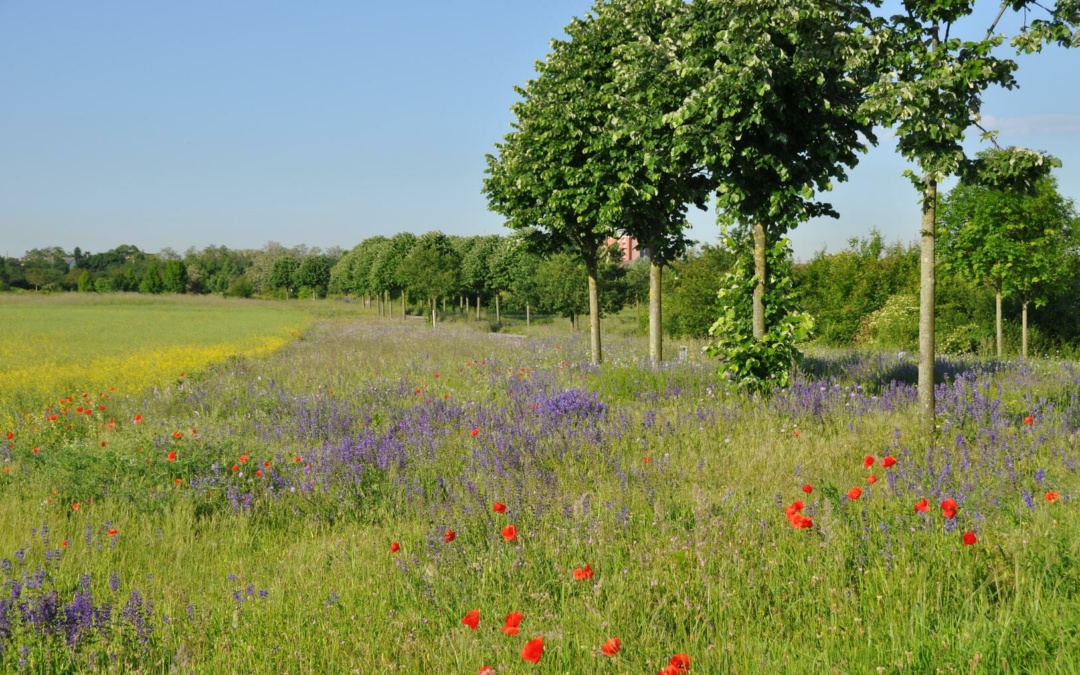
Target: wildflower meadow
<point>310,488</point>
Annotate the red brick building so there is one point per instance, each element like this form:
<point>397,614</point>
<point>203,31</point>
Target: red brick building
<point>628,247</point>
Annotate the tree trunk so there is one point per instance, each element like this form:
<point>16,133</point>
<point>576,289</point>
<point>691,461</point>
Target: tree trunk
<point>389,305</point>
<point>927,287</point>
<point>527,317</point>
<point>1023,329</point>
<point>656,335</point>
<point>477,306</point>
<point>997,304</point>
<point>378,304</point>
<point>594,316</point>
<point>498,312</point>
<point>759,287</point>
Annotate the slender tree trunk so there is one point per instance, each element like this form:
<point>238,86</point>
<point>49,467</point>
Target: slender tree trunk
<point>594,315</point>
<point>656,335</point>
<point>997,306</point>
<point>390,304</point>
<point>759,287</point>
<point>378,304</point>
<point>527,317</point>
<point>927,288</point>
<point>1023,329</point>
<point>498,312</point>
<point>477,306</point>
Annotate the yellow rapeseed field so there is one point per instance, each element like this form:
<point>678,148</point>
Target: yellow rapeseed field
<point>56,346</point>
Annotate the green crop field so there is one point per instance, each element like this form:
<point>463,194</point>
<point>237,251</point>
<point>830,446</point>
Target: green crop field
<point>343,499</point>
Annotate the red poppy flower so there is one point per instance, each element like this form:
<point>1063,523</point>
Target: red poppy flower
<point>103,444</point>
<point>533,650</point>
<point>235,468</point>
<point>75,506</point>
<point>35,451</point>
<point>297,459</point>
<point>474,432</point>
<point>970,539</point>
<point>948,508</point>
<point>1052,496</point>
<point>499,507</point>
<point>801,522</point>
<point>472,619</point>
<point>7,469</point>
<point>513,621</point>
<point>680,663</point>
<point>1029,420</point>
<point>395,547</point>
<point>138,418</point>
<point>794,508</point>
<point>487,670</point>
<point>611,647</point>
<point>646,460</point>
<point>177,435</point>
<point>171,456</point>
<point>796,433</point>
<point>52,418</point>
<point>807,489</point>
<point>854,493</point>
<point>10,435</point>
<point>922,505</point>
<point>113,532</point>
<point>268,464</point>
<point>868,461</point>
<point>178,481</point>
<point>871,479</point>
<point>449,536</point>
<point>584,572</point>
<point>258,472</point>
<point>65,543</point>
<point>509,533</point>
<point>101,408</point>
<point>243,458</point>
<point>89,412</point>
<point>887,461</point>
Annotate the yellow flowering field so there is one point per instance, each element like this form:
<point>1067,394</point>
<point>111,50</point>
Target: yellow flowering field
<point>54,346</point>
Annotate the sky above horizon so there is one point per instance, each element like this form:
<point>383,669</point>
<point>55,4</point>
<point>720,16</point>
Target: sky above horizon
<point>239,123</point>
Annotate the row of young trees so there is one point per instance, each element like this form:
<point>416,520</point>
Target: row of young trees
<point>650,106</point>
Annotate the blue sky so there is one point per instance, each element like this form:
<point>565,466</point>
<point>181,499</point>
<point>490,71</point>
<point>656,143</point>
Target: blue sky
<point>242,122</point>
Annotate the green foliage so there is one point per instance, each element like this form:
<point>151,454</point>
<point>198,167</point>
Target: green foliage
<point>314,273</point>
<point>432,267</point>
<point>762,364</point>
<point>174,277</point>
<point>840,289</point>
<point>283,275</point>
<point>691,303</point>
<point>895,325</point>
<point>1017,242</point>
<point>773,111</point>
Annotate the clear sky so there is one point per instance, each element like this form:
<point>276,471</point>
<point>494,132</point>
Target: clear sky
<point>240,122</point>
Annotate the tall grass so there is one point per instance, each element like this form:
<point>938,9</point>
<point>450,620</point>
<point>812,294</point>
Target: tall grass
<point>672,486</point>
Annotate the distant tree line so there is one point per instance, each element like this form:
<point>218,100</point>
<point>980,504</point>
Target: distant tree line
<point>865,295</point>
